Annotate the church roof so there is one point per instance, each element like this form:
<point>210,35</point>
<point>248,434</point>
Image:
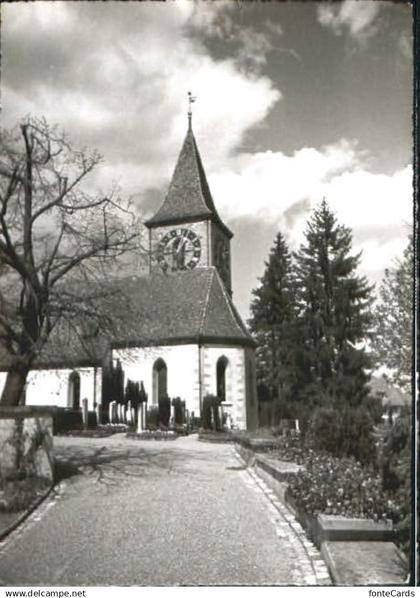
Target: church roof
<point>191,306</point>
<point>158,309</point>
<point>189,197</point>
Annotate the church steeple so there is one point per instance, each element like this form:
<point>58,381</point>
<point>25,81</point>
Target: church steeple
<point>187,232</point>
<point>189,198</point>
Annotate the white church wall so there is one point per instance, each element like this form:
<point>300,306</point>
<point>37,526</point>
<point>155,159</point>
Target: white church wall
<point>234,376</point>
<point>50,387</point>
<point>2,380</point>
<point>182,362</point>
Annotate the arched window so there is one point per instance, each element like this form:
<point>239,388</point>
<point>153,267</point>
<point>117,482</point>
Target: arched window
<point>160,380</point>
<point>221,367</point>
<point>74,391</point>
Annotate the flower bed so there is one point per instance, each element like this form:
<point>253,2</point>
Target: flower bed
<point>209,436</point>
<point>153,435</point>
<point>341,486</point>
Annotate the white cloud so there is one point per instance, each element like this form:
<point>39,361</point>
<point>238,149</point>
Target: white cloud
<point>356,17</point>
<point>54,17</point>
<point>377,256</point>
<point>266,184</point>
<point>117,79</point>
<point>283,190</point>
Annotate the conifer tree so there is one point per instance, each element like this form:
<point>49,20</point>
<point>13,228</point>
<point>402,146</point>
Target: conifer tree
<point>334,318</point>
<point>118,380</point>
<point>393,339</point>
<point>273,315</point>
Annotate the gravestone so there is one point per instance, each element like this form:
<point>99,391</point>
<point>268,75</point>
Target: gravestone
<point>85,414</point>
<point>141,418</point>
<point>114,412</point>
<point>99,413</point>
<point>129,414</point>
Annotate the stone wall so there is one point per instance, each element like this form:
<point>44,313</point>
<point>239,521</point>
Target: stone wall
<point>26,443</point>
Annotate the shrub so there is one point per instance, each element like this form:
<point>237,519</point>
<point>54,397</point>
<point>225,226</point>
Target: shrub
<point>210,419</point>
<point>290,448</point>
<point>339,486</point>
<point>92,419</point>
<point>152,418</point>
<point>113,385</point>
<point>195,422</point>
<point>130,392</point>
<point>206,411</point>
<point>342,433</point>
<point>179,409</point>
<point>66,419</point>
<point>164,406</point>
<point>395,465</point>
<point>283,410</point>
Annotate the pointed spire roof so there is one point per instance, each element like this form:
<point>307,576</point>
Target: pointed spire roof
<point>188,198</point>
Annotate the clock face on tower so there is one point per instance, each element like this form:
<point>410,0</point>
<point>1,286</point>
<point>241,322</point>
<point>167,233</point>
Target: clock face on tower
<point>179,249</point>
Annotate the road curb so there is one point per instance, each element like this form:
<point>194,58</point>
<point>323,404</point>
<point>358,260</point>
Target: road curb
<point>314,566</point>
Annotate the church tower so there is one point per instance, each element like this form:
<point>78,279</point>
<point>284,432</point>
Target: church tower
<point>187,232</point>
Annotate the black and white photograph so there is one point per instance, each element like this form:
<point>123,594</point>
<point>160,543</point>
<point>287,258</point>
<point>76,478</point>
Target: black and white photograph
<point>207,296</point>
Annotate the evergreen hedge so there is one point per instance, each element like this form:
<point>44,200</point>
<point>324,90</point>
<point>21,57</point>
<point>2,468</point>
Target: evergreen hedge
<point>179,409</point>
<point>152,418</point>
<point>210,419</point>
<point>164,406</point>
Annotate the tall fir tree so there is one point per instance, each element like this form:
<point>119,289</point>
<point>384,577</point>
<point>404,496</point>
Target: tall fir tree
<point>393,338</point>
<point>334,317</point>
<point>273,315</point>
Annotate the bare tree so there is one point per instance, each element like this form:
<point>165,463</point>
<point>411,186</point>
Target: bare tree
<point>55,237</point>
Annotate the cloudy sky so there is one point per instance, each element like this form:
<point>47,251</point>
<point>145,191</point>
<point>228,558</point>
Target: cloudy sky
<point>295,102</point>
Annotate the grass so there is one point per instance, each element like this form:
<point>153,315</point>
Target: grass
<point>19,494</point>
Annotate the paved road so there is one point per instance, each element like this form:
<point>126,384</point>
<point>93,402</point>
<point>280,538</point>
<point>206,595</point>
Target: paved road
<point>152,513</point>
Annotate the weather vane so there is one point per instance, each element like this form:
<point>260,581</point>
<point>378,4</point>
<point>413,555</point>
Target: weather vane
<point>191,100</point>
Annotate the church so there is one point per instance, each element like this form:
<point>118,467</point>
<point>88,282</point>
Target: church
<point>180,334</point>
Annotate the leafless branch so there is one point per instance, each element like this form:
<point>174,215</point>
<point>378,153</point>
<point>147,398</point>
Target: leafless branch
<point>52,232</point>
